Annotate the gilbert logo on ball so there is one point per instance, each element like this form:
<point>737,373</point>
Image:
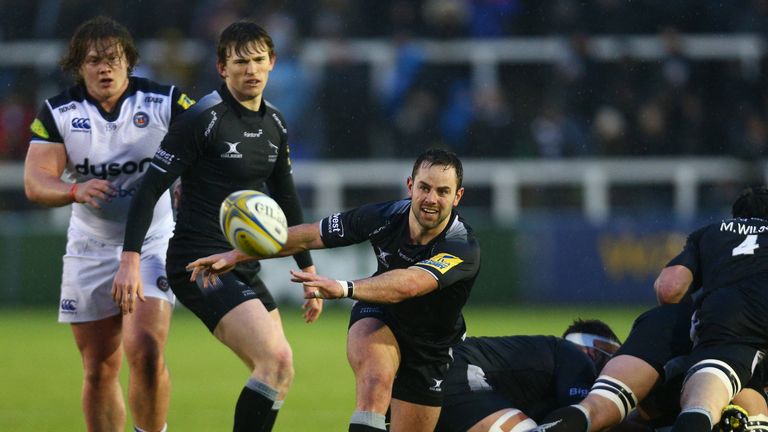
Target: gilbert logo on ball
<point>253,223</point>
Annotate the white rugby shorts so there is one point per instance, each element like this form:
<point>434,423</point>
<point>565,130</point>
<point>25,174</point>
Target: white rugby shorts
<point>89,268</point>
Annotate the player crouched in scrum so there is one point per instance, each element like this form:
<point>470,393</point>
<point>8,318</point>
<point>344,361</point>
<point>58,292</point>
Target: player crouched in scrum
<point>502,384</point>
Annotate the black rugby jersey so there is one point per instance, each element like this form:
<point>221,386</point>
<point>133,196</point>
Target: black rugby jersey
<point>725,253</point>
<point>453,258</point>
<point>217,147</point>
<point>536,373</point>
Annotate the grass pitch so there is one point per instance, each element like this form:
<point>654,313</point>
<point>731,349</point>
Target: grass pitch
<point>41,376</point>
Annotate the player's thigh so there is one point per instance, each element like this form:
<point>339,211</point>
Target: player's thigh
<point>411,417</point>
<point>503,421</point>
<point>99,342</point>
<point>251,332</point>
<point>146,329</point>
<point>371,346</point>
<point>635,373</point>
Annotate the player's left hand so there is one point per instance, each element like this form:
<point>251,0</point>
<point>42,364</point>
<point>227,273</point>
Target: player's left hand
<point>312,306</point>
<point>318,287</point>
<point>127,286</point>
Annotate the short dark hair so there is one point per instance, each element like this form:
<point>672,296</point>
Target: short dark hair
<point>437,156</point>
<point>752,202</point>
<point>592,326</point>
<point>97,31</point>
<point>241,34</point>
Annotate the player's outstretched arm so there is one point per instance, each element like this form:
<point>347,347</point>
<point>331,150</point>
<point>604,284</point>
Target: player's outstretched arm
<point>391,287</point>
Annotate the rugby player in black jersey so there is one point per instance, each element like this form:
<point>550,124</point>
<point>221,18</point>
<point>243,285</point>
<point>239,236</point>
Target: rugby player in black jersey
<point>408,314</point>
<point>508,383</point>
<point>730,326</point>
<point>232,140</point>
<point>661,336</point>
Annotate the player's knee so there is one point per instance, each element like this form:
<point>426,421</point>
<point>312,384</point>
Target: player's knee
<point>718,370</point>
<point>616,393</point>
<point>375,381</point>
<point>282,359</point>
<point>98,373</point>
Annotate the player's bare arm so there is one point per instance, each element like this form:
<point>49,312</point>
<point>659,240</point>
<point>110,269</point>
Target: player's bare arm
<point>300,238</point>
<point>672,284</point>
<point>391,287</point>
<point>42,179</point>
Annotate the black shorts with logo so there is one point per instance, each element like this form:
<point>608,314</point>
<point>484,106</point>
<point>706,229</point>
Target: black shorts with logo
<point>463,410</point>
<point>212,303</point>
<point>422,368</point>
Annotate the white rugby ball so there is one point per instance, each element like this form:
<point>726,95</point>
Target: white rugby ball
<point>253,223</point>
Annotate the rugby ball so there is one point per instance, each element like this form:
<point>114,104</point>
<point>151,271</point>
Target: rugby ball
<point>253,223</point>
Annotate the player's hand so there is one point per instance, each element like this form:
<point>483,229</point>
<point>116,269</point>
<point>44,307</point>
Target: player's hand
<point>208,268</point>
<point>312,307</point>
<point>93,191</point>
<point>318,287</point>
<point>127,285</point>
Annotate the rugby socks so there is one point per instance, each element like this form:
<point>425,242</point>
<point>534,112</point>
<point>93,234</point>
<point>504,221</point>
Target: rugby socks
<point>367,421</point>
<point>253,411</point>
<point>272,416</point>
<point>693,420</point>
<point>572,418</point>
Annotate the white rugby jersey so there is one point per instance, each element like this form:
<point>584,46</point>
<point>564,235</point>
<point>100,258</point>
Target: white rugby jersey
<point>116,146</point>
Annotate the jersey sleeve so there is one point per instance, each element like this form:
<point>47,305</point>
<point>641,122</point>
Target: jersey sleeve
<point>180,102</point>
<point>574,374</point>
<point>690,257</point>
<point>44,129</point>
<point>452,261</point>
<point>283,190</point>
<point>351,227</point>
<point>183,144</point>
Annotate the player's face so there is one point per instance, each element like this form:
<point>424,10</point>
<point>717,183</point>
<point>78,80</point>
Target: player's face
<point>105,71</point>
<point>433,193</point>
<point>246,73</point>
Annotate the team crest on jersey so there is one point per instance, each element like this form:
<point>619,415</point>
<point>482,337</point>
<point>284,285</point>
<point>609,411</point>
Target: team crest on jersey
<point>38,129</point>
<point>185,101</point>
<point>442,262</point>
<point>141,119</point>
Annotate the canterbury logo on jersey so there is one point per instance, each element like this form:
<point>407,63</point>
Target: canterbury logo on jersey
<point>112,169</point>
<point>81,124</point>
<point>68,305</point>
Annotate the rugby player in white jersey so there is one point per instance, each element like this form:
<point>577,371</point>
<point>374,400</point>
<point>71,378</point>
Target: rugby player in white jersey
<point>89,149</point>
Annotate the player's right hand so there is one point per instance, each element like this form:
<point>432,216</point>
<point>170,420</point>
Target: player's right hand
<point>209,267</point>
<point>127,286</point>
<point>94,190</point>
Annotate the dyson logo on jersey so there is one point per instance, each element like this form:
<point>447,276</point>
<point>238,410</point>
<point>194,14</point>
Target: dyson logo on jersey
<point>112,169</point>
<point>81,124</point>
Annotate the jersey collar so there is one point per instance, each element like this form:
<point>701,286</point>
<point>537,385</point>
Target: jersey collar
<point>240,110</point>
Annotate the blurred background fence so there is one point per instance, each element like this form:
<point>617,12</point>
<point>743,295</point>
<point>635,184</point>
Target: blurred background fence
<point>596,134</point>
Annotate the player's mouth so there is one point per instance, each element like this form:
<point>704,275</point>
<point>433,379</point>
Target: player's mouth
<point>429,211</point>
<point>106,82</point>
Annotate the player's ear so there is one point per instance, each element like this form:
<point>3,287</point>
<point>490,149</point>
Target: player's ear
<point>409,185</point>
<point>457,198</point>
<point>222,69</point>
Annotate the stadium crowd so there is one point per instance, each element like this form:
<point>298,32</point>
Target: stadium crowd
<point>577,106</point>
